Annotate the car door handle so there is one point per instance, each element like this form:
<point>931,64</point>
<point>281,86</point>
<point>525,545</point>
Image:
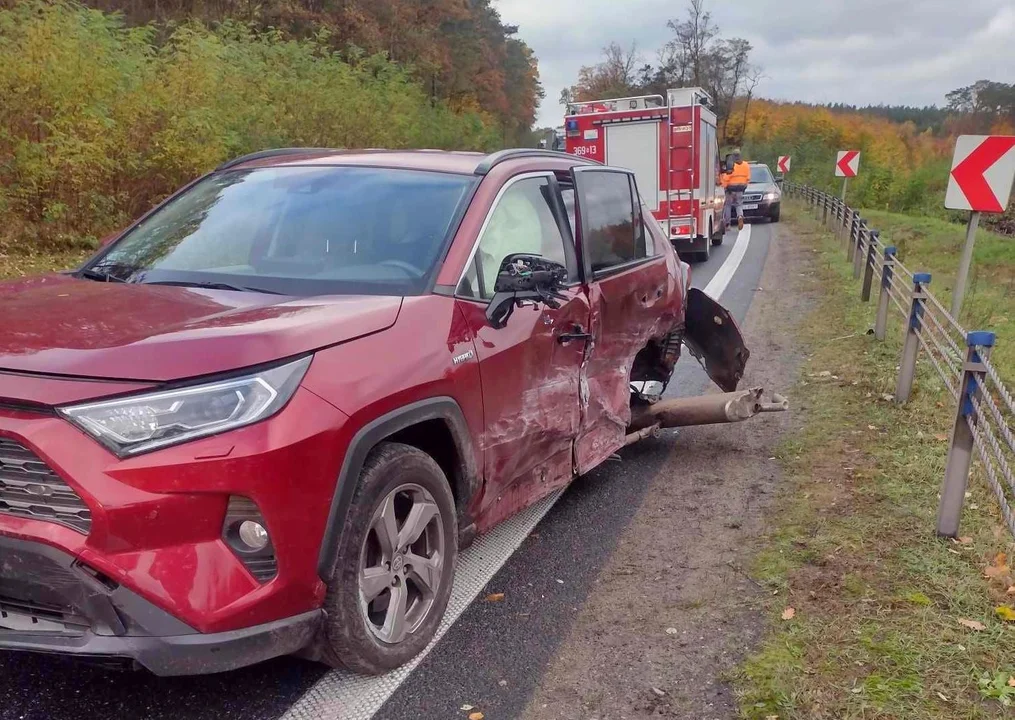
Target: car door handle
<point>577,333</point>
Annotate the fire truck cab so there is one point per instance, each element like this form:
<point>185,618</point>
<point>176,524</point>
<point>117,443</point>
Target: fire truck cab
<point>671,146</point>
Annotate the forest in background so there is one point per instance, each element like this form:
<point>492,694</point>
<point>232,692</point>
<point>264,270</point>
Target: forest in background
<point>904,166</point>
<point>108,109</point>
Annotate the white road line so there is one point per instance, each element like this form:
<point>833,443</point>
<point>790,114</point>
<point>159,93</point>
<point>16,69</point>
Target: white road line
<point>341,695</point>
<point>717,285</point>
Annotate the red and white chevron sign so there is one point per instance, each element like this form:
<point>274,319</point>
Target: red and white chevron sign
<point>847,164</point>
<point>982,171</point>
<point>783,164</point>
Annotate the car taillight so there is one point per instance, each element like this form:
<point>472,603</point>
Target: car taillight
<point>680,229</point>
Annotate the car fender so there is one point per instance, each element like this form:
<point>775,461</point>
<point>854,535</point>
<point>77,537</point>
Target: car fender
<point>367,438</point>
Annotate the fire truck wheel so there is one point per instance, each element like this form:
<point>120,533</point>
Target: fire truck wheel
<point>716,237</point>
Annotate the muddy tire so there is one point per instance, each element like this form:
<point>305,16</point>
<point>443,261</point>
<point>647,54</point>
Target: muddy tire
<point>716,238</point>
<point>396,562</point>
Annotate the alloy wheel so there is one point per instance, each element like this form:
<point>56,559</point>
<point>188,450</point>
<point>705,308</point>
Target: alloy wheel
<point>401,563</point>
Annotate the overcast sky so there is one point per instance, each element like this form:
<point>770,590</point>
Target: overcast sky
<point>854,51</point>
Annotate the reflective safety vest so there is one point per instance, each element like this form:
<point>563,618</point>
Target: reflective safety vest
<point>741,174</point>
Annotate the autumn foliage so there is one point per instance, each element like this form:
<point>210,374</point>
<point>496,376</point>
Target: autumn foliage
<point>101,118</point>
<point>902,168</point>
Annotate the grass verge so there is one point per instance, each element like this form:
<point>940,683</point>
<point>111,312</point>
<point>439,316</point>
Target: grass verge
<point>16,264</point>
<point>934,245</point>
<point>871,615</point>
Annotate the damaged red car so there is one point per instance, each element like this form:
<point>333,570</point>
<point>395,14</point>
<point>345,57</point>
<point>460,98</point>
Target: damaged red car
<point>266,417</point>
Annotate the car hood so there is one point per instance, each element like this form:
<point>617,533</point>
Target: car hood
<point>763,187</point>
<point>62,325</point>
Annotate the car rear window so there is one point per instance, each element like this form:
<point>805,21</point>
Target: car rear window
<point>298,231</point>
<point>760,174</point>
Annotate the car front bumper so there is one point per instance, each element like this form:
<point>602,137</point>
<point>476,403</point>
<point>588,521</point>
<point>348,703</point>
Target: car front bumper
<point>763,209</point>
<point>52,603</point>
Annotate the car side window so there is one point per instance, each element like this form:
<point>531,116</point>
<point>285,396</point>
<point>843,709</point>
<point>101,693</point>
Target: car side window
<point>567,195</point>
<point>614,233</point>
<point>522,221</point>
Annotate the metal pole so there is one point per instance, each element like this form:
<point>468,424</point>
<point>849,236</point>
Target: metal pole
<point>907,366</point>
<point>960,452</point>
<point>868,271</point>
<point>964,263</point>
<point>884,300</point>
<point>845,181</point>
<point>858,253</point>
<point>824,218</point>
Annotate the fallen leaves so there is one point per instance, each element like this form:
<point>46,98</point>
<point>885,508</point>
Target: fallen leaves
<point>788,614</point>
<point>1011,681</point>
<point>964,540</point>
<point>940,437</point>
<point>476,716</point>
<point>1005,613</point>
<point>495,597</point>
<point>999,570</point>
<point>972,624</point>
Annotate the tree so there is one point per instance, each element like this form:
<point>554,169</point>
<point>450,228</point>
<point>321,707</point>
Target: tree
<point>696,55</point>
<point>614,76</point>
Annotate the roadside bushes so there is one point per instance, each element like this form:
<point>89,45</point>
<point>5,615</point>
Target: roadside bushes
<point>99,120</point>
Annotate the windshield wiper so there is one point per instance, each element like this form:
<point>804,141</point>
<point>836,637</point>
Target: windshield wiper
<point>211,286</point>
<point>99,275</point>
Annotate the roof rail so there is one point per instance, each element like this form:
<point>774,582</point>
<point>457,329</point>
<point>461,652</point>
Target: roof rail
<point>494,159</point>
<point>658,102</point>
<point>274,152</point>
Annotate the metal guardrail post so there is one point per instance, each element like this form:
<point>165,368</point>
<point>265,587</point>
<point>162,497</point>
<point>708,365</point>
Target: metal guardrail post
<point>911,348</point>
<point>824,218</point>
<point>960,452</point>
<point>847,228</point>
<point>884,299</point>
<point>868,271</point>
<point>856,238</point>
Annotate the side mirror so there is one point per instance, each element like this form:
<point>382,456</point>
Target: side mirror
<point>727,164</point>
<point>778,181</point>
<point>524,277</point>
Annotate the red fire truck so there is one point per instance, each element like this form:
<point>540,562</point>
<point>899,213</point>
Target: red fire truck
<point>670,144</point>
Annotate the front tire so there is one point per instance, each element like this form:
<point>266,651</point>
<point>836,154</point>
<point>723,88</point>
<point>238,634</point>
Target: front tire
<point>775,213</point>
<point>716,238</point>
<point>396,562</point>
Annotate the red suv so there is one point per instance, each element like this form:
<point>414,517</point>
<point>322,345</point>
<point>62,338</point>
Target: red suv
<point>266,417</point>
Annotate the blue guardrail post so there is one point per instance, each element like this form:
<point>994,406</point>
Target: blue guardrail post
<point>884,299</point>
<point>911,348</point>
<point>960,451</point>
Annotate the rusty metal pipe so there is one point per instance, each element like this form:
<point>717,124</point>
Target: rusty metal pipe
<point>641,434</point>
<point>706,410</point>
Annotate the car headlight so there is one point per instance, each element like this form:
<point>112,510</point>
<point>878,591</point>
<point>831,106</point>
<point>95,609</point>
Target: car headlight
<point>140,423</point>
<point>771,196</point>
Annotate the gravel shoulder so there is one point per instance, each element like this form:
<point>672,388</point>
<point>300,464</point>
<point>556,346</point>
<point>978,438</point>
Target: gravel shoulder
<point>674,610</point>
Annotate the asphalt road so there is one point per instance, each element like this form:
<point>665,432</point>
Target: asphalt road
<point>491,658</point>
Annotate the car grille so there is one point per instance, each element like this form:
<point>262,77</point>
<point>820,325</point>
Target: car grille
<point>30,489</point>
<point>752,197</point>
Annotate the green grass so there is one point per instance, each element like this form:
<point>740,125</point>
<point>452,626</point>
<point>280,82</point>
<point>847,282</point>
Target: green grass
<point>877,596</point>
<point>934,245</point>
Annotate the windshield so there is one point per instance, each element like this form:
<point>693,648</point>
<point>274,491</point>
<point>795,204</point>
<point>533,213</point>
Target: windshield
<point>761,174</point>
<point>297,231</point>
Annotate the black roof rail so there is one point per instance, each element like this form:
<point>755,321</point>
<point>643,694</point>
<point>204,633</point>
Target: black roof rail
<point>274,152</point>
<point>494,159</point>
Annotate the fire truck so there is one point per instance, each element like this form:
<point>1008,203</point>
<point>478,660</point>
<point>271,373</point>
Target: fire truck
<point>670,143</point>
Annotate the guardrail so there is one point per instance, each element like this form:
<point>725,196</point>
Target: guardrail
<point>984,406</point>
